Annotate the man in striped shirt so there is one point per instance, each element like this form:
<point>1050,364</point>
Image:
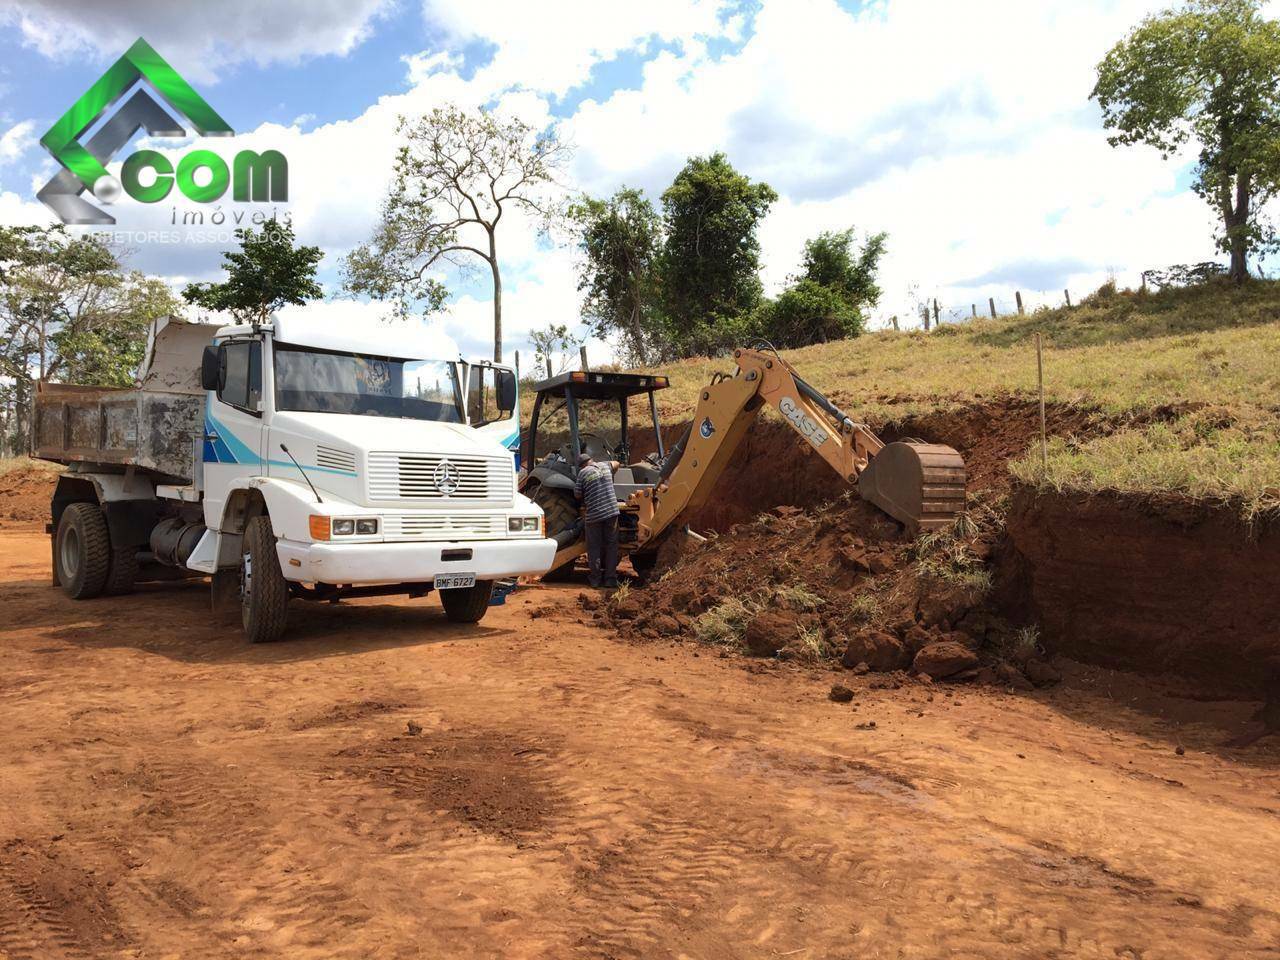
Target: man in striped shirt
<point>594,488</point>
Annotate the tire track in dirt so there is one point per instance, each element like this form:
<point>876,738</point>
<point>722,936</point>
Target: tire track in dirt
<point>261,892</point>
<point>53,909</point>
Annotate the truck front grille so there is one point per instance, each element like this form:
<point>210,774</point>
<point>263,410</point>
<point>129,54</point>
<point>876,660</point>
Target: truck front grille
<point>431,477</point>
<point>475,526</point>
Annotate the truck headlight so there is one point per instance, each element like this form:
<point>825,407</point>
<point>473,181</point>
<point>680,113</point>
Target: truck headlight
<point>367,527</point>
<point>344,528</point>
<point>522,524</point>
<point>531,525</point>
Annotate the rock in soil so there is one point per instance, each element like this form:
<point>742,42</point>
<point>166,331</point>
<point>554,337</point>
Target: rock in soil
<point>1012,677</point>
<point>880,651</point>
<point>769,632</point>
<point>943,659</point>
<point>1042,674</point>
<point>840,694</point>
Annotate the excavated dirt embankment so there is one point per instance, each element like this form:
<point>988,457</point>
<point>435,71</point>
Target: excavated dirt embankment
<point>1154,585</point>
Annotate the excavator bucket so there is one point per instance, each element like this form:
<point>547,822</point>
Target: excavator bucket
<point>919,484</point>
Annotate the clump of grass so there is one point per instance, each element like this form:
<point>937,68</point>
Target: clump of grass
<point>798,597</point>
<point>946,556</point>
<point>1021,645</point>
<point>812,645</point>
<point>621,594</point>
<point>726,622</point>
<point>866,609</point>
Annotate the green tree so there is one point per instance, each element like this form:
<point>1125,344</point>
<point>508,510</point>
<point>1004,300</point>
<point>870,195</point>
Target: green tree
<point>455,176</point>
<point>711,256</point>
<point>267,272</point>
<point>830,297</point>
<point>69,313</point>
<point>1209,73</point>
<point>619,240</point>
<point>831,261</point>
<point>807,312</point>
<point>555,349</point>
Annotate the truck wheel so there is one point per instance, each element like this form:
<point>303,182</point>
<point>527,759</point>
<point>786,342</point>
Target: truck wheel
<point>468,605</point>
<point>264,593</point>
<point>83,551</point>
<point>122,571</point>
<point>562,513</point>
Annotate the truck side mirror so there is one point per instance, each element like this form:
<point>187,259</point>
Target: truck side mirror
<point>212,365</point>
<point>506,391</point>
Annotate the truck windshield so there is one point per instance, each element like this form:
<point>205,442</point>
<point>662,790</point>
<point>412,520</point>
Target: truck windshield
<point>320,381</point>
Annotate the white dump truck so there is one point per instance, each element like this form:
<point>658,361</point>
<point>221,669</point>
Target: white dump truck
<point>291,460</point>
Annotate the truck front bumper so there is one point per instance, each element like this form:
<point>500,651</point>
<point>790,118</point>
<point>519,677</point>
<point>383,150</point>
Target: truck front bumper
<point>415,562</point>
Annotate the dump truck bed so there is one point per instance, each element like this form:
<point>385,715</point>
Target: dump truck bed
<point>149,430</point>
<point>155,426</point>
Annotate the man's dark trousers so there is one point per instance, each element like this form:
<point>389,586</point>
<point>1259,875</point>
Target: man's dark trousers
<point>602,551</point>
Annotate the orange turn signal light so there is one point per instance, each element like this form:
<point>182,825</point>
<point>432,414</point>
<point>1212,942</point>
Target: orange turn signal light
<point>319,527</point>
<point>578,376</point>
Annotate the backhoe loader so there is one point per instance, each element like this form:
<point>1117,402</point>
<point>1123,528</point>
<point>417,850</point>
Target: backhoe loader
<point>921,485</point>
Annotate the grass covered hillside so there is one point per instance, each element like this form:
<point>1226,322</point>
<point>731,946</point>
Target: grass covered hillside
<point>1207,358</point>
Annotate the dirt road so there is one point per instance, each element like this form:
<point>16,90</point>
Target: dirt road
<point>170,792</point>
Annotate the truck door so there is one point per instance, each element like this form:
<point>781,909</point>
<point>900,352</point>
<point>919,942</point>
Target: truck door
<point>493,405</point>
<point>233,431</point>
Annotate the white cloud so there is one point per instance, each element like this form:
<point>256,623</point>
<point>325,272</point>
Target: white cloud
<point>16,210</point>
<point>198,39</point>
<point>16,141</point>
<point>553,47</point>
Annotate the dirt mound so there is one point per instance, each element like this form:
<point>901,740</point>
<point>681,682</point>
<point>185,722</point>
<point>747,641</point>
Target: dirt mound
<point>25,491</point>
<point>842,581</point>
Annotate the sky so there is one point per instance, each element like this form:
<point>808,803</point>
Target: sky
<point>963,130</point>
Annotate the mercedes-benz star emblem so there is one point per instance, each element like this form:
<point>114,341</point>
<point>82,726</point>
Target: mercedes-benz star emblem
<point>446,477</point>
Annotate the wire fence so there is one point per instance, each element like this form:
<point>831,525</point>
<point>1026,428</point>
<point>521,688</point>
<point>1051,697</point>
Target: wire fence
<point>932,313</point>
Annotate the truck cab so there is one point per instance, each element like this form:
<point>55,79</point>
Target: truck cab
<point>331,464</point>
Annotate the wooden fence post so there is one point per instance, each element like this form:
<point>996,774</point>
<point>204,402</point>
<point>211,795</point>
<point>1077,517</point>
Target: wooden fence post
<point>582,352</point>
<point>925,314</point>
<point>974,308</point>
<point>1044,440</point>
<point>936,320</point>
<point>1067,294</point>
<point>895,322</point>
<point>991,301</point>
<point>1017,295</point>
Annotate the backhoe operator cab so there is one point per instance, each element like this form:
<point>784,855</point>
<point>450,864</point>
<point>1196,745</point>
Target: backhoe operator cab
<point>594,413</point>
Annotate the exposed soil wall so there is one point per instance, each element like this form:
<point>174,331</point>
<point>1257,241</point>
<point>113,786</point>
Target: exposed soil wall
<point>1156,586</point>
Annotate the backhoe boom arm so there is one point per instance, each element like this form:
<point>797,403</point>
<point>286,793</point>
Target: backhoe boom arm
<point>922,485</point>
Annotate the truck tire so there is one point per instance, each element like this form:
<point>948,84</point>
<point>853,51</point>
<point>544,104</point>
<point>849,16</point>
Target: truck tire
<point>467,605</point>
<point>122,571</point>
<point>562,512</point>
<point>82,551</point>
<point>264,592</point>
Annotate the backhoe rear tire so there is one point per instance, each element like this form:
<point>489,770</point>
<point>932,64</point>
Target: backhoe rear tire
<point>82,551</point>
<point>264,592</point>
<point>467,604</point>
<point>562,513</point>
